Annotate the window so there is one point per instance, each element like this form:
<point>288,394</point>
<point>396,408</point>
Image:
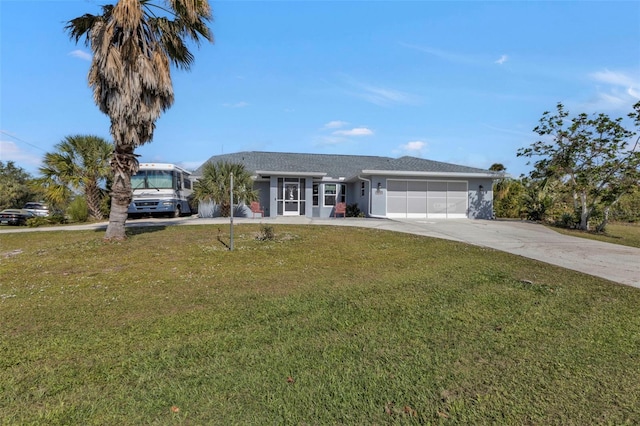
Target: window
<point>333,191</point>
<point>152,179</point>
<point>315,195</point>
<point>157,179</point>
<point>362,189</point>
<point>138,180</point>
<point>330,192</point>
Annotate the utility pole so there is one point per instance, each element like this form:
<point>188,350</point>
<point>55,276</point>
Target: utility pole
<point>231,215</point>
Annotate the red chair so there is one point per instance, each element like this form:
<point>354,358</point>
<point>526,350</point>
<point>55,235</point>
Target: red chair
<point>255,208</point>
<point>341,208</point>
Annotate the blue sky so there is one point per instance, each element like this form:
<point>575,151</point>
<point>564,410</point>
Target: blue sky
<point>460,82</point>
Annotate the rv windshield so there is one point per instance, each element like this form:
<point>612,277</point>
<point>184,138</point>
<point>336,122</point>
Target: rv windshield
<point>152,179</point>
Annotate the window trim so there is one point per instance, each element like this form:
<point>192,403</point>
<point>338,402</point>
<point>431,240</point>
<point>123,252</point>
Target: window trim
<point>340,195</point>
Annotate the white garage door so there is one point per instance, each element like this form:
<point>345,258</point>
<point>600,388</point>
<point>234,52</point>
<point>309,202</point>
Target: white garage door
<point>427,199</point>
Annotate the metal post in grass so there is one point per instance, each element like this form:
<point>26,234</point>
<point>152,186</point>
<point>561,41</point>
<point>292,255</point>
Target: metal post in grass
<point>231,215</point>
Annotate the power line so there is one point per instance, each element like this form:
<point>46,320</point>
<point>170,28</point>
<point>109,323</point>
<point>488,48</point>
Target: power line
<point>23,141</point>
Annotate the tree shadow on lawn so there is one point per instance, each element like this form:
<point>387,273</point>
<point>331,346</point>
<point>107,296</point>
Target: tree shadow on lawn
<point>131,231</point>
<point>138,230</point>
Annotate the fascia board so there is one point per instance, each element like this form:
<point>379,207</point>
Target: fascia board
<point>281,173</point>
<point>429,174</point>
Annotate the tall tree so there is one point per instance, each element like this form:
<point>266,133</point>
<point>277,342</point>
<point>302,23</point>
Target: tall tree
<point>594,156</point>
<point>214,186</point>
<point>133,44</point>
<point>497,167</point>
<point>15,190</point>
<point>80,164</point>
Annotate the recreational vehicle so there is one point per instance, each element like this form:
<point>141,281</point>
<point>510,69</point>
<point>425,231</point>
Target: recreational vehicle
<point>160,189</point>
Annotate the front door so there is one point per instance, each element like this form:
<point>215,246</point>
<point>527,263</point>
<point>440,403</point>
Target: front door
<point>291,197</point>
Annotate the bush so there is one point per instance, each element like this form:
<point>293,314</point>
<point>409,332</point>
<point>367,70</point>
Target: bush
<point>54,219</point>
<point>34,222</point>
<point>105,204</point>
<point>78,210</point>
<point>266,233</point>
<point>354,211</point>
<point>567,220</point>
<point>627,209</point>
<point>57,219</point>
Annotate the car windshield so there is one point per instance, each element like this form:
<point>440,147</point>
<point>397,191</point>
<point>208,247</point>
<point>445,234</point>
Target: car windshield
<point>152,179</point>
<point>34,206</point>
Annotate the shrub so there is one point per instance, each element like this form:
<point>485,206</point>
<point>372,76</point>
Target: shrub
<point>34,222</point>
<point>566,220</point>
<point>266,233</point>
<point>57,219</point>
<point>78,210</point>
<point>353,210</point>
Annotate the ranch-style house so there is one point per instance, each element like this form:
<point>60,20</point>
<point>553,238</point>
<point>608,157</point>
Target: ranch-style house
<point>383,187</point>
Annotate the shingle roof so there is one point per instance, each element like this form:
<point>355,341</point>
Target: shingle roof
<point>335,166</point>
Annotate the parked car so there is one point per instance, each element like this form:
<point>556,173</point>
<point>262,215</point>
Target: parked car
<point>15,216</point>
<point>38,209</point>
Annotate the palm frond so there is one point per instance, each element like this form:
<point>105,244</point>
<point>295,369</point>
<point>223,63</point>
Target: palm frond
<point>85,24</point>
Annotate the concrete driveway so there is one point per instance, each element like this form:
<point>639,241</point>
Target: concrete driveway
<point>613,262</point>
<point>610,261</point>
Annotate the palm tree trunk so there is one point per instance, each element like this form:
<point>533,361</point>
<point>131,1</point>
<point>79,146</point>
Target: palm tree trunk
<point>92,195</point>
<point>225,209</point>
<point>124,164</point>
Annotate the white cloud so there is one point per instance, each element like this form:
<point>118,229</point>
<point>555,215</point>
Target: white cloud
<point>617,90</point>
<point>337,137</point>
<point>356,131</point>
<point>80,54</point>
<point>502,60</point>
<point>383,96</point>
<point>455,57</point>
<point>412,148</point>
<point>240,104</point>
<point>378,95</point>
<point>614,78</point>
<point>442,54</point>
<point>11,152</point>
<point>336,124</point>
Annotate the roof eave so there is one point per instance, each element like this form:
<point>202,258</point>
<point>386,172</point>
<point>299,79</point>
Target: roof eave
<point>282,173</point>
<point>430,174</point>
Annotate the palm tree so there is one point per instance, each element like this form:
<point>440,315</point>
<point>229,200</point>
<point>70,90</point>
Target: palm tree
<point>79,164</point>
<point>214,185</point>
<point>133,43</point>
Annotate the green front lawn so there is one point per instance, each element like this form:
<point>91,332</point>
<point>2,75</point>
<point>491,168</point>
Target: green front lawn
<point>626,234</point>
<point>321,326</point>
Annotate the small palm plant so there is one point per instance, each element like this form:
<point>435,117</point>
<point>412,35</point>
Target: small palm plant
<point>215,185</point>
<point>80,164</point>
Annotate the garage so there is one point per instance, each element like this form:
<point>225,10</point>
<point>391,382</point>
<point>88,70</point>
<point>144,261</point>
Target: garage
<point>415,199</point>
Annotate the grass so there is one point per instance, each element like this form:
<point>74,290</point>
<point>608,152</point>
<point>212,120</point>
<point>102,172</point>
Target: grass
<point>319,326</point>
<point>626,234</point>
